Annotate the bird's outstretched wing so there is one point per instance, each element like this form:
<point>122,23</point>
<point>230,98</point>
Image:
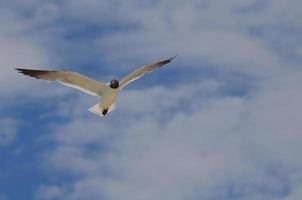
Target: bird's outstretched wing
<point>70,79</point>
<point>141,71</point>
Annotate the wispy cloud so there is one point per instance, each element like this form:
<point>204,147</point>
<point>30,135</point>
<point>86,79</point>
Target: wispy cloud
<point>8,131</point>
<point>218,150</point>
<point>49,192</point>
<point>197,139</point>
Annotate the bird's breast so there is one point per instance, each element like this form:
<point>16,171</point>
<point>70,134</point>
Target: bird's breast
<point>108,98</point>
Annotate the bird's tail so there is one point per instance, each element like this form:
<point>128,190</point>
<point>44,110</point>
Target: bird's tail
<point>98,109</point>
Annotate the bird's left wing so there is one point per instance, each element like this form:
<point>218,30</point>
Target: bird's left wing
<point>70,79</point>
<point>141,71</point>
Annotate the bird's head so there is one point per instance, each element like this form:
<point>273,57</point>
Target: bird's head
<point>114,83</point>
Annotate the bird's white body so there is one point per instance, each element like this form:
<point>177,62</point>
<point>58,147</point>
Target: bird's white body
<point>107,102</point>
<point>109,97</point>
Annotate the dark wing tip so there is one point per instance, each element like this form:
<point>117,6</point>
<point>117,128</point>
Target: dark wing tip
<point>166,61</point>
<point>31,72</point>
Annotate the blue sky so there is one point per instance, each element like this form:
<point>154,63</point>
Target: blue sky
<point>222,121</point>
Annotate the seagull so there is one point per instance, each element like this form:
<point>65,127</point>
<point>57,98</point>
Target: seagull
<point>108,92</point>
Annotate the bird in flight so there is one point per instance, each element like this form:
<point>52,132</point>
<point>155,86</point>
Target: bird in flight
<point>108,92</point>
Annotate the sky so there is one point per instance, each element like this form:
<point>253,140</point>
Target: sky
<point>220,122</point>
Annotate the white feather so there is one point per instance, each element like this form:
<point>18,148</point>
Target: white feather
<point>98,110</point>
<point>131,81</point>
<point>79,88</point>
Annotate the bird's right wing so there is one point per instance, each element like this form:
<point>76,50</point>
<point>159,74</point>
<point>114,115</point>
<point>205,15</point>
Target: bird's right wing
<point>142,71</point>
<point>70,79</point>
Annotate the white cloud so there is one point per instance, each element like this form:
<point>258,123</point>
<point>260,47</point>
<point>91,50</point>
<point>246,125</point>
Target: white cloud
<point>275,117</point>
<point>49,192</point>
<point>200,33</point>
<point>188,141</point>
<point>19,48</point>
<point>226,142</point>
<point>15,53</point>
